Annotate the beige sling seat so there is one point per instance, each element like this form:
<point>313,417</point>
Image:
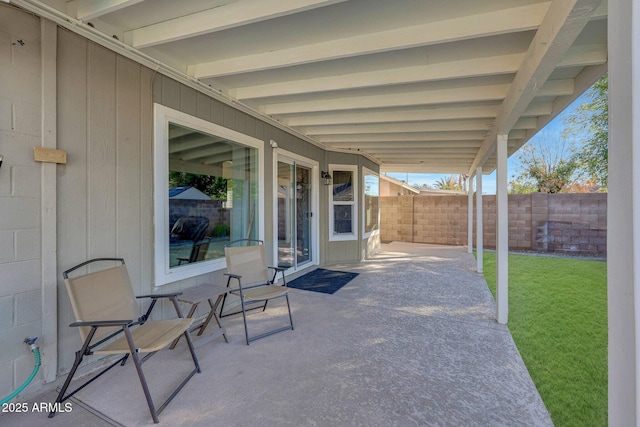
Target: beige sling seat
<point>109,322</point>
<point>247,267</point>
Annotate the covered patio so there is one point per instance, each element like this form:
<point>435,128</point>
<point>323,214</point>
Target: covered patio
<point>344,89</point>
<point>412,340</point>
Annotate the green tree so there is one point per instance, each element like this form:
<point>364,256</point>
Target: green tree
<point>522,184</point>
<point>547,167</point>
<point>589,126</point>
<point>449,183</point>
<point>213,186</point>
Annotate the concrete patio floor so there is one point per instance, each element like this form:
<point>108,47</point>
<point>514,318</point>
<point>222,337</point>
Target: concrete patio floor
<point>411,340</point>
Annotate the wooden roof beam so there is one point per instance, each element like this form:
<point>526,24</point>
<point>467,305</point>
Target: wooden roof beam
<point>502,21</point>
<point>86,10</point>
<point>476,67</point>
<point>390,116</point>
<point>223,17</point>
<point>425,97</point>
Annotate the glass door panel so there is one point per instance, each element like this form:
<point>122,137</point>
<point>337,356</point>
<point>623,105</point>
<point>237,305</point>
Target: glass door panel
<point>294,214</point>
<point>285,214</point>
<point>303,214</point>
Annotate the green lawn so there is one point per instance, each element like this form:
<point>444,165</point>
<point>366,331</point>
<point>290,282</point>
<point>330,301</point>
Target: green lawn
<point>558,319</point>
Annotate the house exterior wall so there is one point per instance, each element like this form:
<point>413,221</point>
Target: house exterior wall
<point>110,125</point>
<point>20,194</point>
<point>104,110</point>
<point>346,251</point>
<point>105,191</point>
<point>172,94</point>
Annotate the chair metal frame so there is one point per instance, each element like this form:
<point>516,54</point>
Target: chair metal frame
<point>249,299</point>
<point>124,327</point>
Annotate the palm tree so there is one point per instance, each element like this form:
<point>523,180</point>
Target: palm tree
<point>449,183</point>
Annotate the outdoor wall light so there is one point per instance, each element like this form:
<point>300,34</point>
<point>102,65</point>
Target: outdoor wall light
<point>326,177</point>
<point>1,159</point>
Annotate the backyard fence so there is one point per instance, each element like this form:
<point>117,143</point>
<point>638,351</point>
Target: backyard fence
<point>564,223</point>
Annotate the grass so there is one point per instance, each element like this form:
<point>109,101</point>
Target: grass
<point>558,320</point>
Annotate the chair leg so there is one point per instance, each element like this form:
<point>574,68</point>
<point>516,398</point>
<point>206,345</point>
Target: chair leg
<point>244,318</point>
<point>274,331</point>
<point>143,380</point>
<point>79,356</point>
<point>192,350</point>
<point>60,398</point>
<point>187,335</point>
<point>289,308</point>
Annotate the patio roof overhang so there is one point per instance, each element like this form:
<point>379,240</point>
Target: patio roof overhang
<point>416,86</point>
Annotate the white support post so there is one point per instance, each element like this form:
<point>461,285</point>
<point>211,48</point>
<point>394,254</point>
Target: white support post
<point>470,217</point>
<point>48,208</point>
<point>479,245</point>
<point>623,213</point>
<point>502,233</point>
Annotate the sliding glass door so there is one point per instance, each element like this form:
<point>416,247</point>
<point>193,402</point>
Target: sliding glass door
<point>294,214</point>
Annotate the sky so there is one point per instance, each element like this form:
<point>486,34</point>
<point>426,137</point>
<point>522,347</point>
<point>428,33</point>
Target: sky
<point>552,130</point>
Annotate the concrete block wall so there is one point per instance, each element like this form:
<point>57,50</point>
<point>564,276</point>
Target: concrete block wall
<point>441,220</point>
<point>389,218</point>
<point>20,192</point>
<point>572,223</point>
<point>577,223</point>
<point>520,222</point>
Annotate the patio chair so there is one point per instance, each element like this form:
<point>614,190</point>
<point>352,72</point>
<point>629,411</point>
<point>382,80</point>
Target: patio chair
<point>193,229</point>
<point>247,267</point>
<point>198,251</point>
<point>109,323</point>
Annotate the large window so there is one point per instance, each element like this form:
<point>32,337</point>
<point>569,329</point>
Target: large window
<point>343,203</point>
<point>207,193</point>
<point>371,210</point>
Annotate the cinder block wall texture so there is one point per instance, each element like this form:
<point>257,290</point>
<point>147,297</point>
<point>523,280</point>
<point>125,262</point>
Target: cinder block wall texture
<point>566,223</point>
<point>20,192</point>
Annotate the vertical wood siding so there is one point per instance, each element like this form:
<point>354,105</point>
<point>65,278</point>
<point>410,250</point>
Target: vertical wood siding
<point>105,190</point>
<point>105,208</point>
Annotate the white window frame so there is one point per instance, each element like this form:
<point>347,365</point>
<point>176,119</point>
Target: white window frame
<point>354,203</point>
<point>376,231</point>
<point>162,116</point>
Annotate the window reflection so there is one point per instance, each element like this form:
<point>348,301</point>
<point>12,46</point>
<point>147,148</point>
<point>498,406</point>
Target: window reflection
<point>371,202</point>
<point>212,195</point>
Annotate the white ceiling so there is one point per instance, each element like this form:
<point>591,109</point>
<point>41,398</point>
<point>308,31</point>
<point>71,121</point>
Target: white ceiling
<point>417,85</point>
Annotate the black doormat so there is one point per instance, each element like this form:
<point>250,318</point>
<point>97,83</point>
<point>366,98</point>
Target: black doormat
<point>321,280</point>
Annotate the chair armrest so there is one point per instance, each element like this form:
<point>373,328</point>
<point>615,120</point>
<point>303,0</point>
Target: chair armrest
<point>238,277</point>
<point>173,296</point>
<point>277,270</point>
<point>98,323</point>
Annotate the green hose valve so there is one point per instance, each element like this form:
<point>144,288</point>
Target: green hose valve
<point>31,342</point>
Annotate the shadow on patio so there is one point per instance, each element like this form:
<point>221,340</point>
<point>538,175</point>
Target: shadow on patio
<point>410,341</point>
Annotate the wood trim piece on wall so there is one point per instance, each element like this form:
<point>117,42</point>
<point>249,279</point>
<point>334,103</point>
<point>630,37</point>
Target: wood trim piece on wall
<point>49,239</point>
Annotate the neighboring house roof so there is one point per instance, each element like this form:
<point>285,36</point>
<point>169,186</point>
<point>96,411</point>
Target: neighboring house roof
<point>188,193</point>
<point>399,183</point>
